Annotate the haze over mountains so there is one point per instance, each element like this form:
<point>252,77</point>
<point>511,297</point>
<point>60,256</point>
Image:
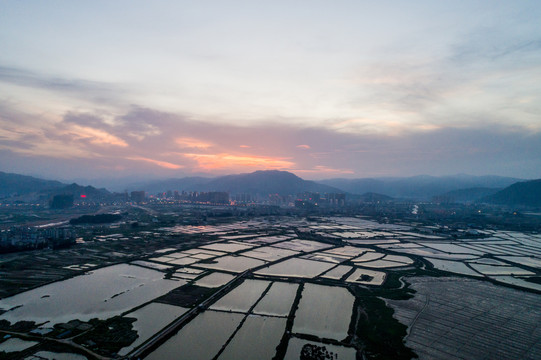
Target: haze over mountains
<point>15,184</point>
<point>459,188</point>
<point>422,187</point>
<point>527,193</point>
<point>22,184</point>
<point>258,182</point>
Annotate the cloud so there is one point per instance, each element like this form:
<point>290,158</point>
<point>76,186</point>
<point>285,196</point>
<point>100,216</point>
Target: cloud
<point>163,164</point>
<point>94,136</point>
<point>483,73</point>
<point>186,142</point>
<point>230,162</point>
<point>303,146</point>
<point>103,146</point>
<point>95,91</point>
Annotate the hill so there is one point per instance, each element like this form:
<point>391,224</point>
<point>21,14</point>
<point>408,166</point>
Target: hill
<point>78,190</point>
<point>371,197</point>
<point>195,183</point>
<point>466,195</point>
<point>527,193</point>
<point>261,182</point>
<point>15,184</point>
<point>267,182</point>
<point>421,187</point>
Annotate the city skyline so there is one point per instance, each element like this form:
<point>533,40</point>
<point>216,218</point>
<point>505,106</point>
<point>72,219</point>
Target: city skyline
<point>353,89</point>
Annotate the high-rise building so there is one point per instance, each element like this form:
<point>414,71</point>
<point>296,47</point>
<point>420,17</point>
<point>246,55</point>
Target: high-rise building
<point>137,196</point>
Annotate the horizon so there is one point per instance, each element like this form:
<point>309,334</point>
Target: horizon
<point>116,184</point>
<point>96,90</point>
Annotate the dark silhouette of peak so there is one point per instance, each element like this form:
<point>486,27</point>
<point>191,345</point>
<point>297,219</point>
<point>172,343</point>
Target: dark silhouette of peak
<point>15,184</point>
<point>193,183</point>
<point>374,197</point>
<point>466,195</point>
<point>419,187</point>
<point>527,193</point>
<point>262,182</point>
<point>267,182</point>
<point>78,190</point>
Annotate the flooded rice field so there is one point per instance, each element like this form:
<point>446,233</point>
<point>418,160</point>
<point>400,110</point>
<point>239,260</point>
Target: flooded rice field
<point>152,265</point>
<point>231,263</point>
<point>187,273</point>
<point>301,268</point>
<point>102,293</point>
<point>322,256</point>
<point>324,311</point>
<point>347,251</point>
<point>500,270</point>
<point>337,273</point>
<point>257,339</point>
<point>523,260</point>
<point>150,319</point>
<point>200,339</point>
<point>516,281</point>
<point>454,267</point>
<point>269,253</point>
<point>228,247</point>
<point>367,277</point>
<point>243,297</point>
<point>302,245</point>
<point>278,300</point>
<point>216,279</point>
<point>369,255</point>
<point>269,239</point>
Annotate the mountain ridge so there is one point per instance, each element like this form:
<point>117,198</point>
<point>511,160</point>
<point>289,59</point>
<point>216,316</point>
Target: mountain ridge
<point>422,187</point>
<point>16,184</point>
<point>524,193</point>
<point>260,182</point>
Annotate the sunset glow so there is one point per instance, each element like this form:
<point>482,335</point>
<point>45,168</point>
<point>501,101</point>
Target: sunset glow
<point>192,143</point>
<point>209,162</point>
<point>163,164</point>
<point>355,89</point>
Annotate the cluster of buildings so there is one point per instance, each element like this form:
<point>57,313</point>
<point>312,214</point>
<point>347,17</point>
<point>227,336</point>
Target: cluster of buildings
<point>22,237</point>
<point>310,199</point>
<point>307,199</point>
<point>210,197</point>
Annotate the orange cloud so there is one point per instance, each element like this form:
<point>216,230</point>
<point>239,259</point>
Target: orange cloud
<point>245,146</point>
<point>303,146</point>
<point>96,136</point>
<point>225,161</point>
<point>163,164</point>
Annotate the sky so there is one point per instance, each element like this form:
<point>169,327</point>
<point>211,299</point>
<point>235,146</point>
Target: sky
<point>324,89</point>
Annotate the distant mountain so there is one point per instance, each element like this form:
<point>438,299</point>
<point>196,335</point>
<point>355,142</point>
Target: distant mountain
<point>418,187</point>
<point>15,184</point>
<point>78,190</point>
<point>196,183</point>
<point>267,182</point>
<point>527,193</point>
<point>258,182</point>
<point>371,197</point>
<point>466,195</point>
